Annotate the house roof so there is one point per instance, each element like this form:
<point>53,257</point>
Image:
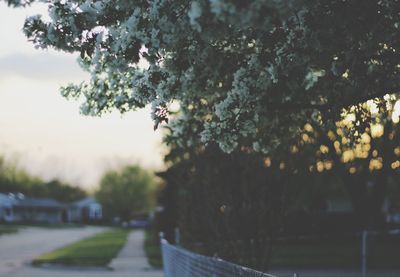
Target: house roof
<point>38,202</point>
<point>20,200</point>
<point>5,199</point>
<point>85,202</point>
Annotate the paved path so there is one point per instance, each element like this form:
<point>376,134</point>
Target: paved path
<point>132,259</point>
<point>18,249</point>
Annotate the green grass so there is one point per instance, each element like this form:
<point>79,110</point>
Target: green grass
<point>383,253</point>
<point>46,225</point>
<point>97,250</point>
<point>152,249</point>
<point>5,229</point>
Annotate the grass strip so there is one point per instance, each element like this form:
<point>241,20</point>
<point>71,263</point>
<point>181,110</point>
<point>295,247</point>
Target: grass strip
<point>382,253</point>
<point>46,225</point>
<point>97,250</point>
<point>4,229</point>
<point>152,249</point>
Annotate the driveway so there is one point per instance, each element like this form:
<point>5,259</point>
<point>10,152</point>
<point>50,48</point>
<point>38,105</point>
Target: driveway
<point>17,250</point>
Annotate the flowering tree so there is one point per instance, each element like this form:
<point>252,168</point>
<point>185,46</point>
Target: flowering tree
<point>244,72</point>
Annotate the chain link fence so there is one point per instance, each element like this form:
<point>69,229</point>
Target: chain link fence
<point>179,262</point>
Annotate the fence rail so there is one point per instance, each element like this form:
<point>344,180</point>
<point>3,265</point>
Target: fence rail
<point>179,262</point>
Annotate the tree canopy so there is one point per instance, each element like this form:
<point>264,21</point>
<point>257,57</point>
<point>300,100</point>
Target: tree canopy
<point>127,192</point>
<point>245,73</point>
<point>14,179</point>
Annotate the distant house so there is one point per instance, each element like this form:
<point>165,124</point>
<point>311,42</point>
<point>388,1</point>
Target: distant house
<point>5,208</point>
<point>19,208</point>
<point>16,207</point>
<point>391,208</point>
<point>339,205</point>
<point>85,211</point>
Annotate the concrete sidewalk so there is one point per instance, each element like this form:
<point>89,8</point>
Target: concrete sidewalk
<point>132,258</point>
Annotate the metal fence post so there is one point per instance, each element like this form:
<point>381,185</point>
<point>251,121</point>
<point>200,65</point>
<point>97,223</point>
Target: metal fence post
<point>364,253</point>
<point>177,236</point>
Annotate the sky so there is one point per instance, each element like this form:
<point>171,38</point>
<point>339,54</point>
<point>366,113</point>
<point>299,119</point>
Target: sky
<point>44,133</point>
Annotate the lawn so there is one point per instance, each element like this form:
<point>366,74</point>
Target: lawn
<point>383,253</point>
<point>97,250</point>
<point>152,249</point>
<point>47,225</point>
<point>5,229</point>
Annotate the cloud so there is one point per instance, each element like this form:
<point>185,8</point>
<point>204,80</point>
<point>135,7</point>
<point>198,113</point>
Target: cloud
<point>46,66</point>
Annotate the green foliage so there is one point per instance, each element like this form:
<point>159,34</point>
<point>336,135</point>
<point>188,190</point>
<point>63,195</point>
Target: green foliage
<point>214,197</point>
<point>97,250</point>
<point>127,192</point>
<point>364,170</point>
<point>152,248</point>
<point>230,205</point>
<point>14,179</point>
<point>337,252</point>
<point>63,192</point>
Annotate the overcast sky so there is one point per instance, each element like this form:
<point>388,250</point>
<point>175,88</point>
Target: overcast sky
<point>44,132</point>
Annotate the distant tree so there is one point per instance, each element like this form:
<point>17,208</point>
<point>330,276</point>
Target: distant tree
<point>15,179</point>
<point>127,192</point>
<point>63,192</point>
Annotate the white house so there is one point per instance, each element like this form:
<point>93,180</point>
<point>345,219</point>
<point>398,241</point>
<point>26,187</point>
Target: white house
<point>6,203</point>
<point>16,207</point>
<point>85,210</point>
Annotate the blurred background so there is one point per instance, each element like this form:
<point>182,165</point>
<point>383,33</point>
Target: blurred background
<point>321,208</point>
